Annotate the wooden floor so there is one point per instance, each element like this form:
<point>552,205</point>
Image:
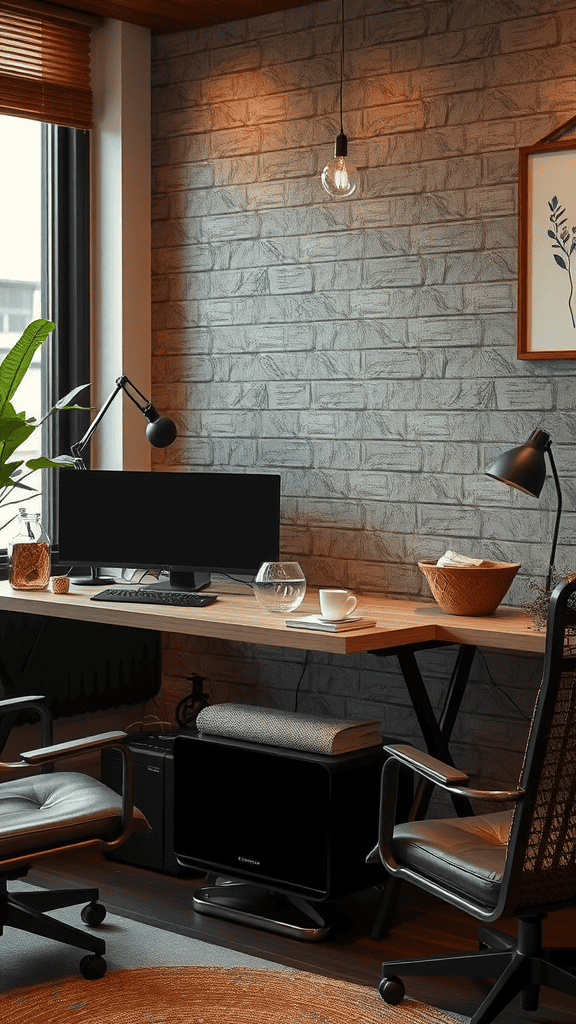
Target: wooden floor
<point>422,925</point>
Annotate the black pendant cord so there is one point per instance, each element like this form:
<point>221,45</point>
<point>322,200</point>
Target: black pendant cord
<point>341,62</point>
<point>341,145</point>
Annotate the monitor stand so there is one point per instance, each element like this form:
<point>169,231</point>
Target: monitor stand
<point>93,580</point>
<point>180,580</point>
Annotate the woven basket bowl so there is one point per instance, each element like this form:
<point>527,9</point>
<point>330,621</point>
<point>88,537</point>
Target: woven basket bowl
<point>475,591</point>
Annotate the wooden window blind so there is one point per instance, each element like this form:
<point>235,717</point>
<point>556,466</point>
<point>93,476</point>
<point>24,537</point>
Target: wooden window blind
<point>45,63</point>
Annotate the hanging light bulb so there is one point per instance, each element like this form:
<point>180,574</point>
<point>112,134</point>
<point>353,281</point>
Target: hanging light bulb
<point>340,177</point>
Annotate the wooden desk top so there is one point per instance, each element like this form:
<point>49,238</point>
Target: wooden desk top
<point>238,616</point>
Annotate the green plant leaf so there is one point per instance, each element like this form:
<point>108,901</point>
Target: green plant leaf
<point>22,487</point>
<point>58,462</point>
<point>16,362</point>
<point>13,432</point>
<point>64,403</point>
<point>7,471</point>
<point>16,427</point>
<point>9,425</point>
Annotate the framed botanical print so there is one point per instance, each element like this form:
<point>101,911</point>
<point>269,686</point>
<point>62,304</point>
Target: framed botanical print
<point>547,248</point>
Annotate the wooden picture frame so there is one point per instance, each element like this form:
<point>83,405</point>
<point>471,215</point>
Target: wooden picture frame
<point>547,247</point>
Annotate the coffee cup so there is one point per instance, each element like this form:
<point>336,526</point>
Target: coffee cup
<point>336,604</point>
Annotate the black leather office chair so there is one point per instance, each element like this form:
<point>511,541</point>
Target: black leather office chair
<point>515,863</point>
<point>51,811</point>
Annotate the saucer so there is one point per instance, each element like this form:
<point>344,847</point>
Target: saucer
<point>343,618</point>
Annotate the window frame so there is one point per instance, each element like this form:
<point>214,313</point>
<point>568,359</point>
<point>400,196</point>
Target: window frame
<point>65,294</point>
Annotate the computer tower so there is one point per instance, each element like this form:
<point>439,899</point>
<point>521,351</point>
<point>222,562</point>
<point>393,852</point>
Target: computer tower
<point>152,754</point>
<point>297,822</point>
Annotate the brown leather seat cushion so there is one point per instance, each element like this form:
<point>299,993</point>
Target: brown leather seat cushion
<point>44,811</point>
<point>466,855</point>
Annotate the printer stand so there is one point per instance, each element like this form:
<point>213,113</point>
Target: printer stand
<point>256,905</point>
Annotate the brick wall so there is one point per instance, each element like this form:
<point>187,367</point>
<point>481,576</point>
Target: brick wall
<point>363,348</point>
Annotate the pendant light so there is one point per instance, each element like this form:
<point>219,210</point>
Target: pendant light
<point>340,178</point>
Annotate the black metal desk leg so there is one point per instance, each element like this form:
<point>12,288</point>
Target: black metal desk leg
<point>456,688</point>
<point>436,734</point>
<point>449,713</point>
<point>436,743</point>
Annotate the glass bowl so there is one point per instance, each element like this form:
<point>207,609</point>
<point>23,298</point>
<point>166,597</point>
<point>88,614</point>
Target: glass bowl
<point>280,586</point>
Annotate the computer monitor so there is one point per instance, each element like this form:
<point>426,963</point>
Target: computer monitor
<point>192,524</point>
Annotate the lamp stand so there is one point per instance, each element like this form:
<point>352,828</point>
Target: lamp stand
<point>557,522</point>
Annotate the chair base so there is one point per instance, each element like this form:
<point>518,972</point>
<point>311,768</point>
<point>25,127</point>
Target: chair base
<point>520,965</point>
<point>27,911</point>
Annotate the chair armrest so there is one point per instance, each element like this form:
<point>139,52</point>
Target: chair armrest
<point>446,776</point>
<point>430,767</point>
<point>43,755</point>
<point>443,775</point>
<point>18,703</point>
<point>13,705</point>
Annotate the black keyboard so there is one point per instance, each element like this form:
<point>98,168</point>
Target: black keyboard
<point>178,598</point>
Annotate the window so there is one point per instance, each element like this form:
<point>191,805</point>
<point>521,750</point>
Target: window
<point>44,211</point>
<point>20,265</point>
<point>45,115</point>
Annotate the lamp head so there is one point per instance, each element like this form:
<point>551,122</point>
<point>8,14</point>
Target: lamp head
<point>524,467</point>
<point>161,430</point>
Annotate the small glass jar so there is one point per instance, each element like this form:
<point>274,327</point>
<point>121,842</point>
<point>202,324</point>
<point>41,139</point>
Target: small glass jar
<point>29,554</point>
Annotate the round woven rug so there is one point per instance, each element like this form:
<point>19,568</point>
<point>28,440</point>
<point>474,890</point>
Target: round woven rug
<point>208,995</point>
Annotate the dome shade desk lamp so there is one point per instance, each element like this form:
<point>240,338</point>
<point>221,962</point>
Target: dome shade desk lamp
<point>160,431</point>
<point>525,469</point>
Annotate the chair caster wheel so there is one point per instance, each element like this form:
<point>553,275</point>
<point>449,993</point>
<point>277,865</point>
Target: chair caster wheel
<point>93,966</point>
<point>93,914</point>
<point>392,990</point>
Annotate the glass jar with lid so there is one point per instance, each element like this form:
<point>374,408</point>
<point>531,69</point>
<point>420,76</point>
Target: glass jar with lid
<point>29,553</point>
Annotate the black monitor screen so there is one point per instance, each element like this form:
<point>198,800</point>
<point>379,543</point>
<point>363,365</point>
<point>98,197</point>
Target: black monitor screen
<point>205,522</point>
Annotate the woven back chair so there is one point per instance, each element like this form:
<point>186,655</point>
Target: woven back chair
<point>519,862</point>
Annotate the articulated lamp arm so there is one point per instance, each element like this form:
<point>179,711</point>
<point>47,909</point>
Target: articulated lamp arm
<point>161,430</point>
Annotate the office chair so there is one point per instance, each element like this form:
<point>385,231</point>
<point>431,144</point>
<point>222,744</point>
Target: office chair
<point>519,862</point>
<point>51,811</point>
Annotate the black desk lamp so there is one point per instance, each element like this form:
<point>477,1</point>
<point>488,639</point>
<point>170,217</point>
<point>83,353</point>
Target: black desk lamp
<point>160,431</point>
<point>525,469</point>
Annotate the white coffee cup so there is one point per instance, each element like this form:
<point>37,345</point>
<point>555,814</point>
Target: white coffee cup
<point>336,604</point>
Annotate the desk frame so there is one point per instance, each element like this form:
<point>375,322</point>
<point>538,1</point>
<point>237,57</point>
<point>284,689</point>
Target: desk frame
<point>402,629</point>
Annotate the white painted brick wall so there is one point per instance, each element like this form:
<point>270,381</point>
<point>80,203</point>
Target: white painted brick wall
<point>364,349</point>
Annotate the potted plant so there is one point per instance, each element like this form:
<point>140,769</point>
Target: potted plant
<point>17,427</point>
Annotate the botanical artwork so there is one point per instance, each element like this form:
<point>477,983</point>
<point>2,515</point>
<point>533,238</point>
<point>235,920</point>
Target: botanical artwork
<point>563,240</point>
<point>547,251</point>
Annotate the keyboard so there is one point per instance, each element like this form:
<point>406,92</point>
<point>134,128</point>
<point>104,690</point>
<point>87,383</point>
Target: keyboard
<point>174,598</point>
